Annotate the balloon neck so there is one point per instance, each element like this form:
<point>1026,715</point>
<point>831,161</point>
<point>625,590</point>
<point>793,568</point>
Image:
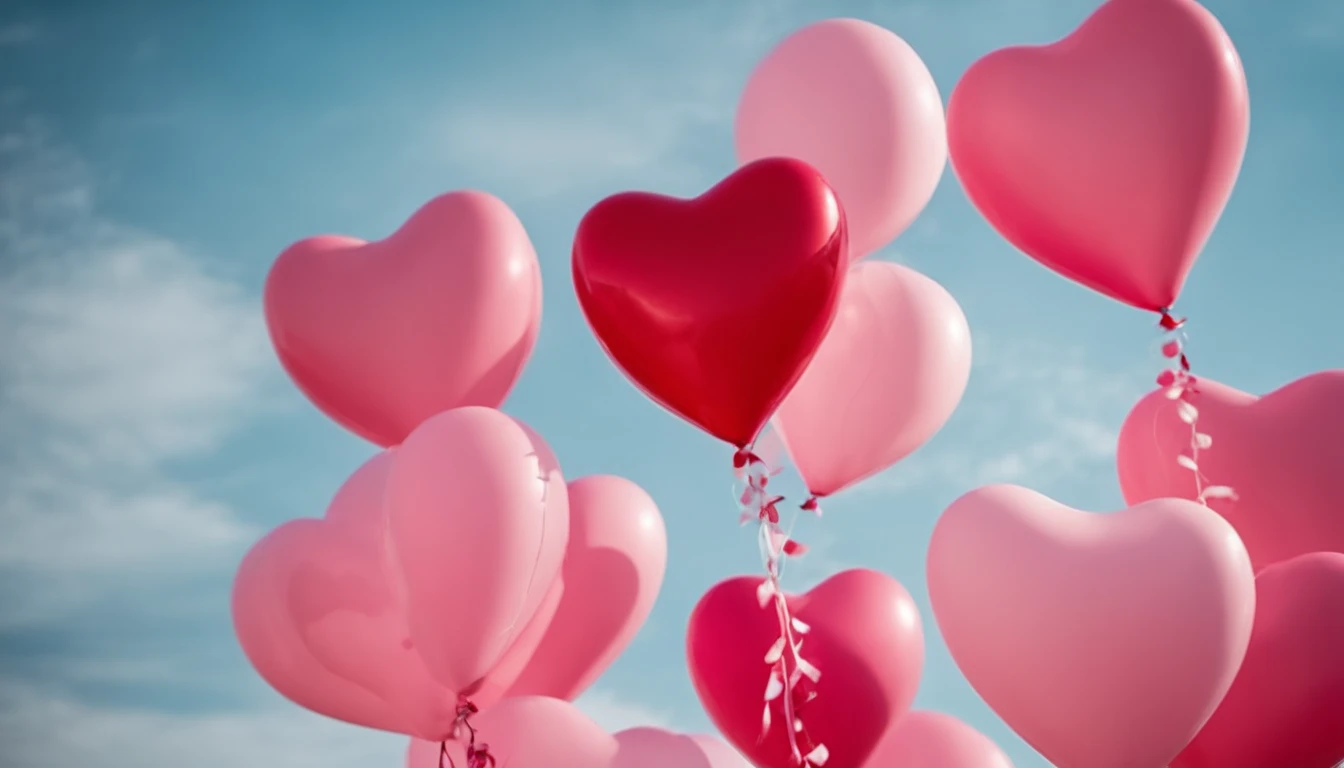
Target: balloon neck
<point>1168,321</point>
<point>478,755</point>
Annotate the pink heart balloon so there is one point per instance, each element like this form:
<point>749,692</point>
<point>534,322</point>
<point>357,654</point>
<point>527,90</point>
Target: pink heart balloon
<point>380,336</point>
<point>854,101</point>
<point>887,377</point>
<point>1286,706</point>
<point>478,518</point>
<point>317,610</point>
<point>865,638</point>
<point>928,739</point>
<point>1109,155</point>
<point>536,732</point>
<point>1104,640</point>
<point>613,569</point>
<point>1280,453</point>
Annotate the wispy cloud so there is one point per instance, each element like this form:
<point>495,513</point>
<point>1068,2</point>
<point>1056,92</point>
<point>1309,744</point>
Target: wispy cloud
<point>1038,413</point>
<point>122,357</point>
<point>21,33</point>
<point>39,730</point>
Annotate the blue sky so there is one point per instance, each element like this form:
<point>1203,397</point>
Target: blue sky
<point>154,159</point>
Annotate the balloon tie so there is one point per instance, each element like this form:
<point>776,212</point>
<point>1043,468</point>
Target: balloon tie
<point>478,756</point>
<point>1179,385</point>
<point>792,679</point>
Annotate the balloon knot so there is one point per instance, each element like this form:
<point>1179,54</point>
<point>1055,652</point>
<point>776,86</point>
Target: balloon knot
<point>478,755</point>
<point>1168,321</point>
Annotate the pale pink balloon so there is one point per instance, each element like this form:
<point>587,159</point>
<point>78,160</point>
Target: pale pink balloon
<point>1109,155</point>
<point>318,613</point>
<point>1104,640</point>
<point>923,739</point>
<point>1281,454</point>
<point>656,748</point>
<point>536,732</point>
<point>383,335</point>
<point>887,377</point>
<point>854,101</point>
<point>478,517</point>
<point>614,566</point>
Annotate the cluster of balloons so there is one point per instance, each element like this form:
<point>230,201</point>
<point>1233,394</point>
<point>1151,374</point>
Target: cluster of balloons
<point>461,592</point>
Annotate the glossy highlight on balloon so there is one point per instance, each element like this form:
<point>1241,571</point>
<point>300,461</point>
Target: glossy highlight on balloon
<point>714,306</point>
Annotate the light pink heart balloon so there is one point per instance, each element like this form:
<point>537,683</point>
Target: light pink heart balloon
<point>1104,640</point>
<point>887,377</point>
<point>613,569</point>
<point>383,335</point>
<point>1280,453</point>
<point>1109,155</point>
<point>935,740</point>
<point>317,611</point>
<point>857,103</point>
<point>478,518</point>
<point>536,732</point>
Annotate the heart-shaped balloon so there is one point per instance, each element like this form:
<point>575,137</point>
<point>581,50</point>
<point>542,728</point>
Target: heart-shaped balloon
<point>317,609</point>
<point>1104,640</point>
<point>713,306</point>
<point>613,569</point>
<point>1280,453</point>
<point>1286,706</point>
<point>888,376</point>
<point>865,637</point>
<point>856,102</point>
<point>536,732</point>
<point>382,335</point>
<point>929,739</point>
<point>478,518</point>
<point>1109,155</point>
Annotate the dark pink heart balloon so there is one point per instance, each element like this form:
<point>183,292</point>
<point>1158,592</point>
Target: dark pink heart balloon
<point>1281,453</point>
<point>1109,155</point>
<point>613,569</point>
<point>865,637</point>
<point>382,335</point>
<point>1286,707</point>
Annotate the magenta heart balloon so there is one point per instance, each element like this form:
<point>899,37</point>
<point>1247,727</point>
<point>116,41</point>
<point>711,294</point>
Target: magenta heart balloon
<point>864,636</point>
<point>1286,706</point>
<point>537,732</point>
<point>1109,155</point>
<point>383,335</point>
<point>614,565</point>
<point>319,609</point>
<point>1280,453</point>
<point>887,377</point>
<point>928,739</point>
<point>1104,640</point>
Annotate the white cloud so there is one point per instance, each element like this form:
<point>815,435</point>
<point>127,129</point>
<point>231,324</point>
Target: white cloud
<point>1056,411</point>
<point>122,355</point>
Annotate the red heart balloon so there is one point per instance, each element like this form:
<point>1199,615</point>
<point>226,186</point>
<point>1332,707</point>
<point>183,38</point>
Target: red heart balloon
<point>865,637</point>
<point>713,306</point>
<point>1286,706</point>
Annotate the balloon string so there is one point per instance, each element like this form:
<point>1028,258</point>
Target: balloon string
<point>1180,385</point>
<point>790,673</point>
<point>477,756</point>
